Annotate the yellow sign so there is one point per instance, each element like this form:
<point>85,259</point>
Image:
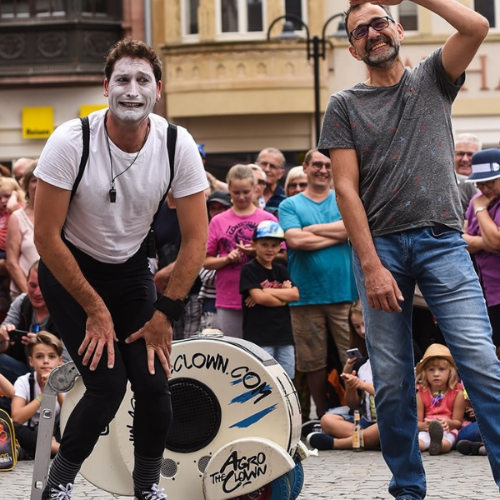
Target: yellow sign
<point>86,109</point>
<point>38,122</point>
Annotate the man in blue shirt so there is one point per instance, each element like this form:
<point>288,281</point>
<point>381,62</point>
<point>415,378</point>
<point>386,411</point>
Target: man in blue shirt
<point>320,266</point>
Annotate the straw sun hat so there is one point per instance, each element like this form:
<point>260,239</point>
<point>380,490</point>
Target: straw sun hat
<point>435,351</point>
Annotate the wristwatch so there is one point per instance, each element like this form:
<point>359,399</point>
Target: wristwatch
<point>479,209</point>
<point>173,309</point>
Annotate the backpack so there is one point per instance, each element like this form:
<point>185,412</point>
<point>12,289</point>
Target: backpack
<point>8,443</point>
<point>171,142</point>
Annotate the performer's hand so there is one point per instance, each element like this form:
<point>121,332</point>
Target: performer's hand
<point>99,334</point>
<point>382,290</point>
<point>157,333</point>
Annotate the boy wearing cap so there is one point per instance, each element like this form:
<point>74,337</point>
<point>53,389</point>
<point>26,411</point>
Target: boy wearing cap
<point>482,233</point>
<point>266,290</point>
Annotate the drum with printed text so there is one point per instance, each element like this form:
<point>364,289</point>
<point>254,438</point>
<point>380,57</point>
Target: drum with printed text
<point>235,431</point>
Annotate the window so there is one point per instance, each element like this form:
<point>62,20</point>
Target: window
<point>408,15</point>
<point>97,8</point>
<point>240,16</point>
<point>294,7</point>
<point>13,8</point>
<point>487,9</point>
<point>32,8</point>
<point>190,13</point>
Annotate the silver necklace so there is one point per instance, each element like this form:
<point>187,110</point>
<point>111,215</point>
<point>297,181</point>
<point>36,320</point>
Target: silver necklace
<point>112,190</point>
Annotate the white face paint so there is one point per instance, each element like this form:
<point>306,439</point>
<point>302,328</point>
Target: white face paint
<point>132,89</point>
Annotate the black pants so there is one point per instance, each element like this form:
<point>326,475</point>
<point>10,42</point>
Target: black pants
<point>128,291</point>
<point>27,436</point>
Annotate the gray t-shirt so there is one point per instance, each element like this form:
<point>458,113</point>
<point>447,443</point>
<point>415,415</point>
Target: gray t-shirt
<point>404,144</point>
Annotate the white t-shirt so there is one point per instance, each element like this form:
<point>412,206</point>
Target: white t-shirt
<point>22,389</point>
<point>113,232</point>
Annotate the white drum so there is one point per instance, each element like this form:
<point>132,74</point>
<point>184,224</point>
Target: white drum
<point>232,401</point>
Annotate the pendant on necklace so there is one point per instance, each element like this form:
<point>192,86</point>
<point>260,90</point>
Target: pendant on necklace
<point>112,195</point>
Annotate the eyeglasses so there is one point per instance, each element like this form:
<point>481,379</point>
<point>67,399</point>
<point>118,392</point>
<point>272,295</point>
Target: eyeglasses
<point>302,185</point>
<point>486,183</point>
<point>319,164</point>
<point>265,164</point>
<point>378,24</point>
<point>464,153</point>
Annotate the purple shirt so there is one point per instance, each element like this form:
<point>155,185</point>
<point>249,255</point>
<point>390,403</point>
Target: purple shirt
<point>488,264</point>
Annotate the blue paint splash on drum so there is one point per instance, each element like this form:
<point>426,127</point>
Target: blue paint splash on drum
<point>252,419</point>
<point>243,398</point>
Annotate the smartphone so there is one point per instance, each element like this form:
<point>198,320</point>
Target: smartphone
<point>353,353</point>
<point>16,335</point>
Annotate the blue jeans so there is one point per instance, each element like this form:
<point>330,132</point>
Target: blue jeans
<point>436,258</point>
<point>284,355</point>
<point>470,432</point>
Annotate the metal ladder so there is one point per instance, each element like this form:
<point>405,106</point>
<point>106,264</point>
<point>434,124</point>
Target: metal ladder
<point>61,379</point>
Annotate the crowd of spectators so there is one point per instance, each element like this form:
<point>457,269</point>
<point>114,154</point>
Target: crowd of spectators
<point>312,258</point>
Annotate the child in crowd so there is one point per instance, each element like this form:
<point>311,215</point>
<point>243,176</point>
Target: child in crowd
<point>440,400</point>
<point>266,289</point>
<point>217,202</point>
<point>337,430</point>
<point>229,246</point>
<point>44,354</point>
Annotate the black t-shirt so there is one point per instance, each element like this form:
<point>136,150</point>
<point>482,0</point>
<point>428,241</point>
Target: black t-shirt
<point>263,325</point>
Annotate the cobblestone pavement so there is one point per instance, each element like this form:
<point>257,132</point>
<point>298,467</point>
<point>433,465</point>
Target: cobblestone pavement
<point>331,475</point>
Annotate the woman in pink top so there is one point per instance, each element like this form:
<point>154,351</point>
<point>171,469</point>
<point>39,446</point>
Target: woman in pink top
<point>229,247</point>
<point>21,250</point>
<point>440,400</point>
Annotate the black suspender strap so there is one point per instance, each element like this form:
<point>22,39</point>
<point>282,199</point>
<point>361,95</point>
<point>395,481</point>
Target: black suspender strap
<point>171,143</point>
<point>85,153</point>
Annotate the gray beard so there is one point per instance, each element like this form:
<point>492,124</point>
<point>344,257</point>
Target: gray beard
<point>385,61</point>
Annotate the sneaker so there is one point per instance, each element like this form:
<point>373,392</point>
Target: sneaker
<point>436,433</point>
<point>310,426</point>
<point>59,493</point>
<point>320,440</point>
<point>466,447</point>
<point>155,493</point>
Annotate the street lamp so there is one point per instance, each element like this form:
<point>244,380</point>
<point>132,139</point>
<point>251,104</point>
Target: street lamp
<point>316,48</point>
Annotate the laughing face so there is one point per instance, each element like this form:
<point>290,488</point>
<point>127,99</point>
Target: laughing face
<point>132,89</point>
<point>378,48</point>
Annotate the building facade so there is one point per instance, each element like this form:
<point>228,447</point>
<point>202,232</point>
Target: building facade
<point>239,88</point>
<point>235,84</point>
<point>51,64</point>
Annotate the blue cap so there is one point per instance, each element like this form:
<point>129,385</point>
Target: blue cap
<point>268,229</point>
<point>485,165</point>
<point>201,149</point>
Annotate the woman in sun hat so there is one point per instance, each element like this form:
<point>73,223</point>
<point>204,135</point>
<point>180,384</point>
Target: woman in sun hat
<point>481,230</point>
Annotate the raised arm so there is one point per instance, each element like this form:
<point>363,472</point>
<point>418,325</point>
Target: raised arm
<point>381,288</point>
<point>462,45</point>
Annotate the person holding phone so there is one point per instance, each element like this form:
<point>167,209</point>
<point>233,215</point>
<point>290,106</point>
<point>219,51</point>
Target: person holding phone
<point>337,429</point>
<point>27,313</point>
